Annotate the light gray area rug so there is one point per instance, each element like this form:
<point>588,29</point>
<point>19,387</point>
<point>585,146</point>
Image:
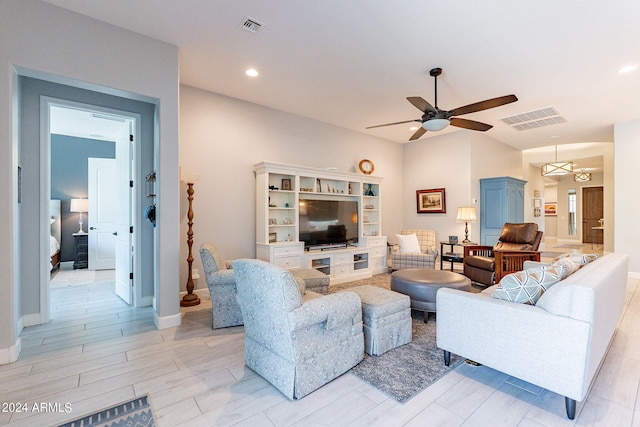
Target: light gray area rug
<point>405,371</point>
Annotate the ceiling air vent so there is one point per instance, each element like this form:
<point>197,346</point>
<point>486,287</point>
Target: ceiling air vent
<point>252,25</point>
<point>535,119</point>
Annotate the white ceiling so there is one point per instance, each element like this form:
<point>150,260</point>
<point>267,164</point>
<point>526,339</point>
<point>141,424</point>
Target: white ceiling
<point>353,63</point>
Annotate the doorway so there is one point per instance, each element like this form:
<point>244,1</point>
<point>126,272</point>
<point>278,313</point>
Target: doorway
<point>87,122</point>
<point>592,215</point>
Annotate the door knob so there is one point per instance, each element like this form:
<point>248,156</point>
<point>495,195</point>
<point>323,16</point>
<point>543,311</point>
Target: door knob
<point>92,228</point>
<point>115,233</point>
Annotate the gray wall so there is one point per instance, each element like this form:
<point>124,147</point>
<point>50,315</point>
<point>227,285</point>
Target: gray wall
<point>69,175</point>
<point>31,90</point>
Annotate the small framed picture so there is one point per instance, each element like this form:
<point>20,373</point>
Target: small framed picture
<point>286,184</point>
<point>272,237</point>
<point>551,208</point>
<point>431,201</point>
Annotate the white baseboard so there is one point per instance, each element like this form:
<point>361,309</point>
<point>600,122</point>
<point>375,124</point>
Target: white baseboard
<point>32,319</point>
<point>145,301</point>
<point>10,354</point>
<point>166,322</point>
<point>633,275</point>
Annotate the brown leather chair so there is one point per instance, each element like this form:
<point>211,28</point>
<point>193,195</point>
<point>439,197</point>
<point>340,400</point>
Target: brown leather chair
<point>488,264</point>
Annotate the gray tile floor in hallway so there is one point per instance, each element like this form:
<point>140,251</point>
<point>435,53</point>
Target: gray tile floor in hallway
<point>96,351</point>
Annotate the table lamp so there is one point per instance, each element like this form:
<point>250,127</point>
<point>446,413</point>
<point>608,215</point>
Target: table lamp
<point>466,214</point>
<point>81,206</point>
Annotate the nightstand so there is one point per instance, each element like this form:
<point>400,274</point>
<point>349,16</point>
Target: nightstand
<point>82,250</point>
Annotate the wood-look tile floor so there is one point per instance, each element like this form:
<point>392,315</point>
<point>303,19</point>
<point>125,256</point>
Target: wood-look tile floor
<point>97,351</point>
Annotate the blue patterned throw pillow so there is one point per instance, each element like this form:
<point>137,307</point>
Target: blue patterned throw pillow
<point>527,286</point>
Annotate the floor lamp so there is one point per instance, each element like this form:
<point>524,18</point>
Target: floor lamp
<point>190,299</point>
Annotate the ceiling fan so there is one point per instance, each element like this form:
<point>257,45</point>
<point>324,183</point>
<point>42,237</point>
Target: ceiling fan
<point>435,119</point>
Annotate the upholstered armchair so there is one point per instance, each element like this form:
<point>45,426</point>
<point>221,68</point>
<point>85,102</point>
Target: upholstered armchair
<point>221,282</point>
<point>488,264</point>
<point>408,255</point>
<point>298,346</point>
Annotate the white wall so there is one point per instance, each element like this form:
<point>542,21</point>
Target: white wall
<point>627,202</point>
<point>47,42</point>
<point>221,138</point>
<point>455,161</point>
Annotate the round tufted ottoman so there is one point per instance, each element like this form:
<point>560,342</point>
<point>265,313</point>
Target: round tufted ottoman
<point>422,284</point>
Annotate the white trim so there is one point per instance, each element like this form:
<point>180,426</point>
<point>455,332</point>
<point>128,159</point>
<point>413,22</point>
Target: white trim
<point>634,275</point>
<point>31,319</point>
<point>10,354</point>
<point>144,301</point>
<point>166,322</point>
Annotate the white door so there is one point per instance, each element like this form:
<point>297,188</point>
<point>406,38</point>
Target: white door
<point>102,214</point>
<point>124,237</point>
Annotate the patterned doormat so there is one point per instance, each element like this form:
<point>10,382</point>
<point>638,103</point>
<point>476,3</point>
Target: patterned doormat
<point>136,412</point>
<point>405,371</point>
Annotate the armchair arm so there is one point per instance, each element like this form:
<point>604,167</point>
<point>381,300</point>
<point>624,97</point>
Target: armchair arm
<point>511,261</point>
<point>478,250</point>
<point>220,278</point>
<point>343,308</point>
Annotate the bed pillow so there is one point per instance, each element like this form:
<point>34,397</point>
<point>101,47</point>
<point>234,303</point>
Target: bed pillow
<point>527,286</point>
<point>408,243</point>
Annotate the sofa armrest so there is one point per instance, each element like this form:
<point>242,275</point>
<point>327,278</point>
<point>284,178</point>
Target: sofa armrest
<point>518,339</point>
<point>337,310</point>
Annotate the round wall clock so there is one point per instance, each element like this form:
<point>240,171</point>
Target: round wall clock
<point>366,166</point>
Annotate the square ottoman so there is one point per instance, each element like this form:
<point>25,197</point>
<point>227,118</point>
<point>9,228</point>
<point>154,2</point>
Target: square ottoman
<point>314,280</point>
<point>386,316</point>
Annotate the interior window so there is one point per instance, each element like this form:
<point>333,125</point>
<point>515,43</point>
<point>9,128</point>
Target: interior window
<point>572,211</point>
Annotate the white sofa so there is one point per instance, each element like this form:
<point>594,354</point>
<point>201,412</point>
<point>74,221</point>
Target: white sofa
<point>558,344</point>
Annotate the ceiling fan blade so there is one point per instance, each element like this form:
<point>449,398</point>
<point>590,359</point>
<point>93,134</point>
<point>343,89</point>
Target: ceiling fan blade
<point>421,104</point>
<point>421,131</point>
<point>483,105</point>
<point>469,124</point>
<point>391,124</point>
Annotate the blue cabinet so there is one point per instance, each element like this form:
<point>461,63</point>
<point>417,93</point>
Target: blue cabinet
<point>501,201</point>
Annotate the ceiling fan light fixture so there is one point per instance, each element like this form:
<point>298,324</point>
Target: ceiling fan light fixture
<point>434,125</point>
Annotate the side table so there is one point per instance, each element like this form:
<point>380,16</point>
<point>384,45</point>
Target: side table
<point>451,256</point>
<point>82,250</point>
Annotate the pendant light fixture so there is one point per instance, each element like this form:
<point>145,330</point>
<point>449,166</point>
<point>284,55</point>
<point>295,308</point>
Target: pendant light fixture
<point>582,176</point>
<point>556,168</point>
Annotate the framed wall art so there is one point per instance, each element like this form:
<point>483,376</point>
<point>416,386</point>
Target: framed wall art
<point>431,201</point>
<point>551,208</point>
<point>286,184</point>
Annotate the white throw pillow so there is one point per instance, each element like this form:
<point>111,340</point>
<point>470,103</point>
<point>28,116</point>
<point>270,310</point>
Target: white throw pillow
<point>408,243</point>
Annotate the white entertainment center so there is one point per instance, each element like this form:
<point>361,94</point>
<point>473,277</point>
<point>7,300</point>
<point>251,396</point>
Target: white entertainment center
<point>284,193</point>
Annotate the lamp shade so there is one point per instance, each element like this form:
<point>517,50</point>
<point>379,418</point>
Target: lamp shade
<point>466,214</point>
<point>434,125</point>
<point>79,205</point>
<point>582,176</point>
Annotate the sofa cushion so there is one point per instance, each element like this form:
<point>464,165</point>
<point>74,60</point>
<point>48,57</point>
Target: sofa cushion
<point>408,243</point>
<point>528,285</point>
<point>483,262</point>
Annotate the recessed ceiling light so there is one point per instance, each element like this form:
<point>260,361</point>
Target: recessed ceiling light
<point>413,128</point>
<point>251,72</point>
<point>627,68</point>
<point>554,137</point>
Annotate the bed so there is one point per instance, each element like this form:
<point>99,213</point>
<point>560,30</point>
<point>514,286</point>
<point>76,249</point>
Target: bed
<point>55,233</point>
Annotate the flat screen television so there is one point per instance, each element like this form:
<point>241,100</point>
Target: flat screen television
<point>328,222</point>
